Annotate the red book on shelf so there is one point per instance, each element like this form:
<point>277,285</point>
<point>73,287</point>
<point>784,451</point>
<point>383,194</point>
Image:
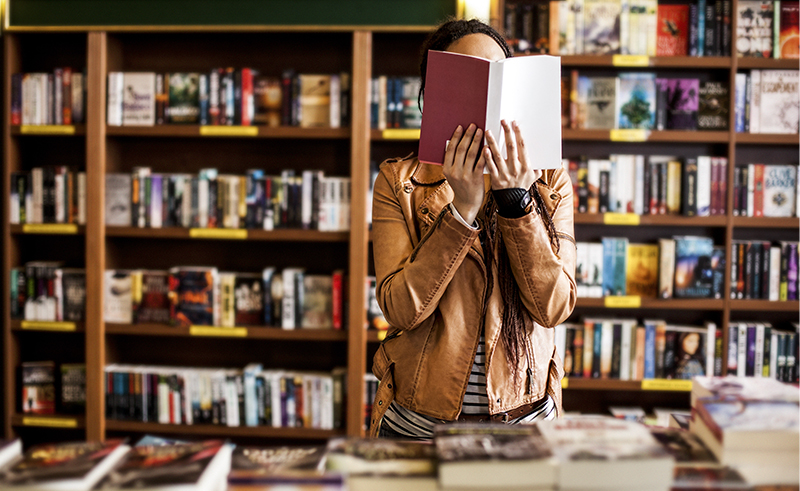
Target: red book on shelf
<point>758,191</point>
<point>789,39</point>
<point>672,37</point>
<point>462,89</point>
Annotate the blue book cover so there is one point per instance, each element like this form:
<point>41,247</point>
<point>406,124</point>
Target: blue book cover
<point>694,273</point>
<point>701,27</point>
<point>636,100</point>
<point>740,102</point>
<point>609,257</point>
<point>597,349</point>
<point>615,252</point>
<point>649,350</point>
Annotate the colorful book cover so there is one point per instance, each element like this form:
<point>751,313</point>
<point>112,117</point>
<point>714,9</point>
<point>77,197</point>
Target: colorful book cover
<point>689,352</point>
<point>38,387</point>
<point>600,102</point>
<point>780,186</point>
<point>718,272</point>
<point>789,38</point>
<point>642,270</point>
<point>151,298</point>
<point>601,27</point>
<point>713,111</point>
<point>636,100</point>
<point>754,28</point>
<point>673,30</point>
<point>73,388</point>
<point>693,272</point>
<point>139,99</point>
<point>685,446</point>
<point>248,299</point>
<point>614,265</point>
<point>315,100</point>
<point>265,464</point>
<point>192,296</point>
<point>682,103</point>
<point>184,98</point>
<point>73,303</point>
<point>317,302</point>
<point>780,101</point>
<point>118,298</point>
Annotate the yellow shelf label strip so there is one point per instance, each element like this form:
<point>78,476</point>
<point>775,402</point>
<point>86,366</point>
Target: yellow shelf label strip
<point>400,134</point>
<point>49,422</point>
<point>50,228</point>
<point>623,302</point>
<point>665,384</point>
<point>49,326</point>
<point>565,383</point>
<point>220,332</point>
<point>621,219</point>
<point>47,129</point>
<point>228,131</point>
<point>218,233</point>
<point>630,60</point>
<point>634,135</point>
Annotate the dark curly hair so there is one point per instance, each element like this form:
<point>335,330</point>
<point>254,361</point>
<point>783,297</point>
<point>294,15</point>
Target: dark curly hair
<point>449,32</point>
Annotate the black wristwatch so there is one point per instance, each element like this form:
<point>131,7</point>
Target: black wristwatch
<point>512,202</point>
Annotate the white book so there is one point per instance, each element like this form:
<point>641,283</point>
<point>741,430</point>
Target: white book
<point>58,96</point>
<point>650,25</point>
<point>595,270</point>
<point>759,362</point>
<point>755,101</point>
<point>780,185</point>
<point>773,355</point>
<point>59,197</point>
<point>118,199</point>
<point>741,352</point>
<point>625,351</point>
<point>77,97</point>
<point>638,194</point>
<point>139,99</point>
<point>703,186</point>
<point>115,97</point>
<point>37,185</point>
<point>625,27</point>
<point>711,337</point>
<point>202,202</point>
<point>751,187</point>
<point>774,273</point>
<point>577,9</point>
<point>582,269</point>
<point>288,307</point>
<point>118,298</point>
<point>336,102</point>
<point>81,198</point>
<point>560,339</point>
<point>307,199</point>
<point>780,101</point>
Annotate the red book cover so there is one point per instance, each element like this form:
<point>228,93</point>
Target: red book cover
<point>789,40</point>
<point>247,96</point>
<point>338,299</point>
<point>526,89</point>
<point>758,190</point>
<point>673,30</point>
<point>723,184</point>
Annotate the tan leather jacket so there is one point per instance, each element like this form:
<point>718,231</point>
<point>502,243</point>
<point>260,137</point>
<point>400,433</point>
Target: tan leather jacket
<point>431,281</point>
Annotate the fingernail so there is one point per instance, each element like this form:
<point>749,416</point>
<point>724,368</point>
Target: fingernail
<point>489,134</point>
<point>459,128</point>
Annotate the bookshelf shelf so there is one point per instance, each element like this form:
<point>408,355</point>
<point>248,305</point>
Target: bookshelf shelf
<point>659,304</point>
<point>767,63</point>
<point>47,229</point>
<point>766,222</point>
<point>27,326</point>
<point>222,431</point>
<point>601,384</point>
<point>656,220</point>
<point>767,139</point>
<point>196,131</point>
<point>288,235</point>
<point>719,62</point>
<point>667,136</point>
<point>254,332</point>
<point>765,306</point>
<point>48,421</point>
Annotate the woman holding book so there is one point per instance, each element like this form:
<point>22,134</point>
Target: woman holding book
<point>473,272</point>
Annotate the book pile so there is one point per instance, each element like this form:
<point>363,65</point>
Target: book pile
<point>251,396</point>
<point>291,298</point>
<point>650,184</point>
<point>767,101</point>
<point>751,424</point>
<point>765,190</point>
<point>642,100</point>
<point>49,194</point>
<point>48,98</point>
<point>309,200</point>
<point>47,291</point>
<point>228,97</point>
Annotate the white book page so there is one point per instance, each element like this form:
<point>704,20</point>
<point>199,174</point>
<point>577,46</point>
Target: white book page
<point>531,95</point>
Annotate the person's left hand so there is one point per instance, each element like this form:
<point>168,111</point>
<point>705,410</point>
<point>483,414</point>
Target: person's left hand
<point>515,170</point>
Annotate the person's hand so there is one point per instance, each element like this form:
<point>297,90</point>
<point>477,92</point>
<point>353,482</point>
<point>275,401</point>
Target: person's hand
<point>464,171</point>
<point>515,170</point>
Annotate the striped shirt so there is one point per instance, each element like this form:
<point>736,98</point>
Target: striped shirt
<point>415,425</point>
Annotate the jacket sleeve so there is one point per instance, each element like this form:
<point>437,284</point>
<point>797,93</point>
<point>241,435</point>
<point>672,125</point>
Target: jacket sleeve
<point>411,279</point>
<point>545,275</point>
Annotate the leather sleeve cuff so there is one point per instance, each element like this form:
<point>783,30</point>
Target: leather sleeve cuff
<point>512,202</point>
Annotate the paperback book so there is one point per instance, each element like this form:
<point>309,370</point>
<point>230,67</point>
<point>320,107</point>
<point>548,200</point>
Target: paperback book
<point>713,111</point>
<point>693,270</point>
<point>754,28</point>
<point>636,100</point>
<point>780,101</point>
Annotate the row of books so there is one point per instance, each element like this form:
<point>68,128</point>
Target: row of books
<point>307,200</point>
<point>764,271</point>
<point>767,101</point>
<point>41,98</point>
<point>765,190</point>
<point>251,396</point>
<point>49,194</point>
<point>767,28</point>
<point>643,100</point>
<point>291,298</point>
<point>626,349</point>
<point>607,27</point>
<point>651,184</point>
<point>47,291</point>
<point>53,388</point>
<point>393,102</point>
<point>757,349</point>
<point>678,267</point>
<point>229,96</point>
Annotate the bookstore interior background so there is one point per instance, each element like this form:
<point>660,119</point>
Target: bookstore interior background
<point>186,231</point>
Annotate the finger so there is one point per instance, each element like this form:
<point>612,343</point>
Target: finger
<point>474,149</point>
<point>489,163</point>
<point>522,152</point>
<point>497,156</point>
<point>450,152</point>
<point>511,142</point>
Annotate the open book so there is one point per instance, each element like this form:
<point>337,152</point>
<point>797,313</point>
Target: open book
<point>463,89</point>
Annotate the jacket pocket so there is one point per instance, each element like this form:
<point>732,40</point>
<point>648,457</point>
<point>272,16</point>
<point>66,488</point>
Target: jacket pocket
<point>380,362</point>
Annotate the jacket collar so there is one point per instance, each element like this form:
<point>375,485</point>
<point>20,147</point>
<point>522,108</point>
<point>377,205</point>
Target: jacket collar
<point>427,174</point>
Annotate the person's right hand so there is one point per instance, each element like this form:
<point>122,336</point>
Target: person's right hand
<point>464,171</point>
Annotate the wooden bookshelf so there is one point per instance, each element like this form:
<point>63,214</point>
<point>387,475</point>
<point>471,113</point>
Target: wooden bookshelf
<point>194,131</point>
<point>709,62</point>
<point>767,139</point>
<point>251,332</point>
<point>279,235</point>
<point>765,306</point>
<point>222,431</point>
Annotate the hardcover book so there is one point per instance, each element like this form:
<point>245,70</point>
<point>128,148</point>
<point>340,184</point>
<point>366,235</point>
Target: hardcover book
<point>780,185</point>
<point>184,98</point>
<point>380,456</point>
<point>636,100</point>
<point>789,37</point>
<point>685,446</point>
<point>268,464</point>
<point>248,299</point>
<point>642,270</point>
<point>73,388</point>
<point>600,102</point>
<point>151,297</point>
<point>192,294</point>
<point>317,302</point>
<point>780,101</point>
<point>267,100</point>
<point>682,103</point>
<point>139,99</point>
<point>693,271</point>
<point>38,387</point>
<point>480,455</point>
<point>69,465</point>
<point>524,89</point>
<point>601,27</point>
<point>754,28</point>
<point>713,111</point>
<point>315,100</point>
<point>673,30</point>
